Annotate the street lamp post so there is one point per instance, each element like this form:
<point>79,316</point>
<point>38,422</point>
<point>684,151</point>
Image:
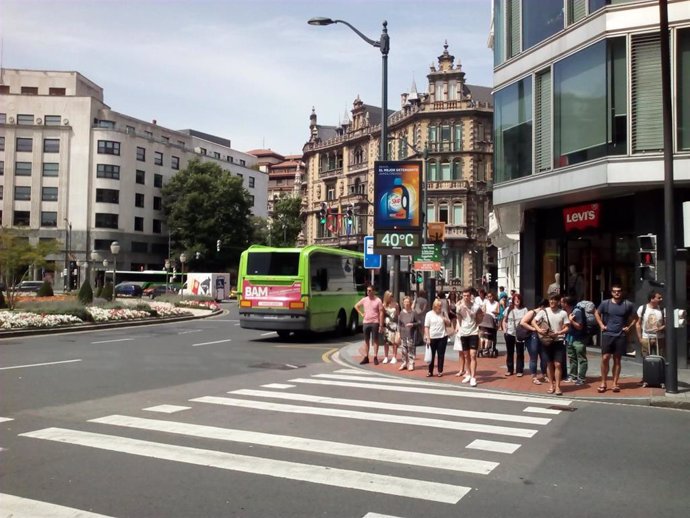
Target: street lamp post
<point>384,45</point>
<point>68,246</point>
<point>167,275</point>
<point>183,259</point>
<point>114,249</point>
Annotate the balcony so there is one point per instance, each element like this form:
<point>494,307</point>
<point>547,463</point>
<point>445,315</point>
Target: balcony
<point>331,173</point>
<point>448,185</point>
<point>457,232</point>
<point>354,198</point>
<point>357,168</point>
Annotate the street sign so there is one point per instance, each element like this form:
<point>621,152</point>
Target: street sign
<point>427,266</point>
<point>372,261</point>
<point>430,252</point>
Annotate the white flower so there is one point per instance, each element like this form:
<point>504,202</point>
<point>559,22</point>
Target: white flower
<point>10,320</point>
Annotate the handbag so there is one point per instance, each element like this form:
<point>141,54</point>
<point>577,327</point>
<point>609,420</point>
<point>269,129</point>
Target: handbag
<point>427,353</point>
<point>450,331</point>
<point>396,338</point>
<point>522,334</point>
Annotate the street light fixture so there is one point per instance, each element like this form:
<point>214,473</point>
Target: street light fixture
<point>384,45</point>
<point>183,259</point>
<point>114,249</point>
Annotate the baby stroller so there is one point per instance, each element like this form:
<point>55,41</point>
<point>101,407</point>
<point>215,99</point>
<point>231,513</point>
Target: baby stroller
<point>487,331</point>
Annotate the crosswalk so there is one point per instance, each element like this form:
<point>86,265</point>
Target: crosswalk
<point>490,433</point>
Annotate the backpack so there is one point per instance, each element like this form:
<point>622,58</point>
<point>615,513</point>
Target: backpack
<point>588,308</point>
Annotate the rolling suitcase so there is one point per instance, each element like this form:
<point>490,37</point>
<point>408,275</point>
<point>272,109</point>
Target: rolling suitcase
<point>654,370</point>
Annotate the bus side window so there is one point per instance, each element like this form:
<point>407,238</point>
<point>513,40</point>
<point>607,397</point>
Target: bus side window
<point>322,279</point>
<point>359,275</point>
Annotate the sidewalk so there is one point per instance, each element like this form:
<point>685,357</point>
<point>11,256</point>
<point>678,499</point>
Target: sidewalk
<point>491,376</point>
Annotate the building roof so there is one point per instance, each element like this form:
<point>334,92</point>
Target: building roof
<point>206,136</point>
<point>265,153</point>
<point>480,93</point>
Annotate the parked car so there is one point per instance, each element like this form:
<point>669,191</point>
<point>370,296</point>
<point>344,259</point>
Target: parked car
<point>28,287</point>
<point>159,289</point>
<point>128,289</point>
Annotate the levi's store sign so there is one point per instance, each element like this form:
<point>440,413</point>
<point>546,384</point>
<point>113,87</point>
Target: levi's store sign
<point>581,217</point>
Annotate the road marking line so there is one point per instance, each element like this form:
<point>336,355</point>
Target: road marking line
<point>38,364</point>
<point>356,372</point>
<point>4,419</point>
<point>190,331</point>
<point>377,515</point>
<point>394,406</point>
<point>495,446</point>
<point>237,324</point>
<point>167,409</point>
<point>110,341</point>
<point>374,383</point>
<point>278,386</point>
<point>539,410</point>
<point>18,507</point>
<point>302,347</point>
<point>326,357</point>
<point>325,475</point>
<point>366,416</point>
<point>266,334</point>
<point>341,449</point>
<point>211,343</point>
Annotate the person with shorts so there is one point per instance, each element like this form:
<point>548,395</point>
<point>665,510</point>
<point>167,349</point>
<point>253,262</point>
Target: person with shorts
<point>468,311</point>
<point>370,309</point>
<point>552,324</point>
<point>615,317</point>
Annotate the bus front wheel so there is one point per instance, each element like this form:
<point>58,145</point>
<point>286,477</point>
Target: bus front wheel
<point>354,323</point>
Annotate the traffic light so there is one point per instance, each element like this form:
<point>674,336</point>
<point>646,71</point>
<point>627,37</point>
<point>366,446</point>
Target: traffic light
<point>680,318</point>
<point>488,276</point>
<point>218,246</point>
<point>647,256</point>
<point>420,277</point>
<point>323,212</point>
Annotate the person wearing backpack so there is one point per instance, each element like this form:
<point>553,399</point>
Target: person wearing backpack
<point>526,332</point>
<point>650,325</point>
<point>615,317</point>
<point>576,340</point>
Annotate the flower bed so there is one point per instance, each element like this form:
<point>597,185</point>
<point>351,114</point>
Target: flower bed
<point>11,320</point>
<point>116,314</point>
<point>211,305</point>
<point>163,309</point>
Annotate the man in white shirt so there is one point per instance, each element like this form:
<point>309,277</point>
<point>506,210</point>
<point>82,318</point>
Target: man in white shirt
<point>552,324</point>
<point>650,325</point>
<point>468,312</point>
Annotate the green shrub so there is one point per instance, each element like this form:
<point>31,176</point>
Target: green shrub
<point>46,290</point>
<point>85,293</point>
<point>107,292</point>
<point>58,307</point>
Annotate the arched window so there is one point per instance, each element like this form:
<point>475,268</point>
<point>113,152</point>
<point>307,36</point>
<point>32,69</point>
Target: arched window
<point>443,212</point>
<point>458,214</point>
<point>433,171</point>
<point>445,171</point>
<point>457,170</point>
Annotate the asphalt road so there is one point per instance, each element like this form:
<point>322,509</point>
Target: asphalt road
<point>205,419</point>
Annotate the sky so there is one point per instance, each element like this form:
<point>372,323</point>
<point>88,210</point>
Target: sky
<point>246,70</point>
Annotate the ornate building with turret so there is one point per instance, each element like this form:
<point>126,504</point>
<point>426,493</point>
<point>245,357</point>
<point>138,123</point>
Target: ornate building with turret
<point>449,127</point>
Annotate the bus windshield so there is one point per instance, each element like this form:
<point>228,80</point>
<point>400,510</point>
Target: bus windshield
<point>273,263</point>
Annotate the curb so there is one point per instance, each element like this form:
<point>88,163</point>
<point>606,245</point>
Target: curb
<point>19,333</point>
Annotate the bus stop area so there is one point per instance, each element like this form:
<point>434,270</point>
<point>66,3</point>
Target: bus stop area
<point>491,376</point>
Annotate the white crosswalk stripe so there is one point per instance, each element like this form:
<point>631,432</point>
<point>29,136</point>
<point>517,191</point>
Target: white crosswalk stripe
<point>19,507</point>
<point>326,475</point>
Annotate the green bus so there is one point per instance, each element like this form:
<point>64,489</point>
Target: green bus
<point>310,289</point>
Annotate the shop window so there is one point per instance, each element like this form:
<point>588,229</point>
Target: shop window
<point>513,131</point>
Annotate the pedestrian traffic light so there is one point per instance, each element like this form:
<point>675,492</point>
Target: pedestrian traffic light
<point>488,276</point>
<point>323,212</point>
<point>647,256</point>
<point>680,318</point>
<point>218,246</point>
<point>420,277</point>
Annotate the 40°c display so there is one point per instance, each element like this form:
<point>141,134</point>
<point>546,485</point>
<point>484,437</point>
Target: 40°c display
<point>392,240</point>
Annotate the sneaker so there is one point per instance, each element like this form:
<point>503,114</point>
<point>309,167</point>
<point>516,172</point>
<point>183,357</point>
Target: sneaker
<point>466,379</point>
<point>394,361</point>
<point>364,361</point>
<point>385,360</point>
<point>402,367</point>
<point>376,360</point>
<point>569,380</point>
<point>410,366</point>
<point>579,382</point>
<point>473,382</point>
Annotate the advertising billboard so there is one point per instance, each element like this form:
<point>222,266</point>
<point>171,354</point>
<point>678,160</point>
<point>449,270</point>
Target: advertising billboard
<point>398,195</point>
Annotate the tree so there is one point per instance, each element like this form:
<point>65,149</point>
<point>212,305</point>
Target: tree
<point>259,230</point>
<point>205,204</point>
<point>16,257</point>
<point>286,224</point>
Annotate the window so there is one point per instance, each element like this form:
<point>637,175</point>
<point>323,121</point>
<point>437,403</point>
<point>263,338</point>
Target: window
<point>138,200</point>
<point>480,214</point>
<point>148,134</point>
<point>458,137</point>
<point>250,179</point>
<point>542,121</point>
<point>29,90</point>
<point>48,219</point>
<point>683,89</point>
<point>52,120</point>
<point>216,154</point>
<point>51,145</point>
<point>3,118</point>
<point>2,191</point>
<point>251,200</point>
<point>243,162</point>
<point>105,220</point>
<point>158,158</point>
<point>108,196</point>
<point>25,119</point>
<point>157,203</point>
<point>202,150</point>
<point>175,162</point>
<point>25,144</point>
<point>22,193</point>
<point>330,193</point>
<point>108,171</point>
<point>157,225</point>
<point>102,123</point>
<point>443,212</point>
<point>230,159</point>
<point>131,130</point>
<point>22,218</point>
<point>647,129</point>
<point>138,224</point>
<point>180,143</point>
<point>458,214</point>
<point>2,167</point>
<point>513,130</point>
<point>2,143</point>
<point>49,194</point>
<point>431,213</point>
<point>158,180</point>
<point>51,169</point>
<point>102,244</point>
<point>141,154</point>
<point>165,139</point>
<point>240,176</point>
<point>22,168</point>
<point>57,91</point>
<point>481,170</point>
<point>108,147</point>
<point>433,171</point>
<point>140,247</point>
<point>4,89</point>
<point>576,10</point>
<point>540,19</point>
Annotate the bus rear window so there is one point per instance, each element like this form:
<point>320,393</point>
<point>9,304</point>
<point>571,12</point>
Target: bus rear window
<point>273,263</point>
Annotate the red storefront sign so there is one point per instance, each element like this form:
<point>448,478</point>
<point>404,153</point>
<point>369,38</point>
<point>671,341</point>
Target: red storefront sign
<point>581,217</point>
